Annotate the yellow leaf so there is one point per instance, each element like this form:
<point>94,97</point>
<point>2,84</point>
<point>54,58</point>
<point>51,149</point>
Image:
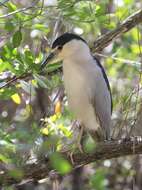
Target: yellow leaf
<point>44,131</point>
<point>58,107</point>
<point>16,98</point>
<point>53,118</point>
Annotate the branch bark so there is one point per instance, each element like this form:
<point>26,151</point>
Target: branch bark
<point>124,27</point>
<point>107,150</point>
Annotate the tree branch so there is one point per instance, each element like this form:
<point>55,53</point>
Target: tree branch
<point>14,79</point>
<point>107,150</point>
<point>18,10</point>
<point>124,27</point>
<point>105,39</point>
<point>103,151</point>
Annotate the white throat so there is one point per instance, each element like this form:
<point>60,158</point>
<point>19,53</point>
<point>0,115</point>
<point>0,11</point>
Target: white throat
<point>75,50</point>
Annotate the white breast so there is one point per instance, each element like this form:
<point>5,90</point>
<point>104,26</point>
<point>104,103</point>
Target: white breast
<point>78,88</point>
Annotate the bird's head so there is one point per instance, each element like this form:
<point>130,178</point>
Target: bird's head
<point>67,46</point>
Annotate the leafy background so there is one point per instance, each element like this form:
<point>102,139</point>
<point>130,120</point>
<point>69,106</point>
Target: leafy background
<point>32,124</point>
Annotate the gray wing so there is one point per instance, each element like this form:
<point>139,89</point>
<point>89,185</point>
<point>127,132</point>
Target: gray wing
<point>102,100</point>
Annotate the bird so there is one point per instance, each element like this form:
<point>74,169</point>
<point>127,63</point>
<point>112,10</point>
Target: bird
<point>86,84</point>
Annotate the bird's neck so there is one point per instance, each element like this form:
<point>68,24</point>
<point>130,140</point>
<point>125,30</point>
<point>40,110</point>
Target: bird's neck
<point>79,57</point>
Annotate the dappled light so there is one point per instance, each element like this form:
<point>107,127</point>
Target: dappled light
<point>43,144</point>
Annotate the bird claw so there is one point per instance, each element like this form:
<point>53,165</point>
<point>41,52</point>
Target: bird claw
<point>71,158</point>
<point>70,154</point>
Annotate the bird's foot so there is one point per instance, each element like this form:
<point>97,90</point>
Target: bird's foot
<point>80,147</point>
<point>71,158</point>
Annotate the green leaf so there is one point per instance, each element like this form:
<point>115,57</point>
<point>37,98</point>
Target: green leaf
<point>97,180</point>
<point>41,27</point>
<point>11,6</point>
<point>64,130</point>
<point>17,38</point>
<point>6,93</point>
<point>41,80</point>
<point>29,88</point>
<point>53,67</point>
<point>4,159</point>
<point>60,164</point>
<point>16,173</point>
<point>28,56</point>
<point>89,145</point>
<point>9,26</point>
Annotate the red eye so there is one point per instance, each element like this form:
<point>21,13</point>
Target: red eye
<point>60,47</point>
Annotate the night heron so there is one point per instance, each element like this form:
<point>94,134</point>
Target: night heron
<point>86,84</point>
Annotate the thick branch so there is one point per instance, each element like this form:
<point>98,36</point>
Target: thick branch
<point>125,26</point>
<point>107,150</point>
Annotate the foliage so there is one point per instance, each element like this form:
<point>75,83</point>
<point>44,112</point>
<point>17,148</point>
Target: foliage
<point>29,121</point>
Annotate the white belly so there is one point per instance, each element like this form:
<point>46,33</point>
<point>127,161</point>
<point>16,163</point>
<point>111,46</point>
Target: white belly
<point>78,93</point>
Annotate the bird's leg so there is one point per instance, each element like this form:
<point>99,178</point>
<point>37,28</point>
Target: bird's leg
<point>75,142</point>
<point>79,137</point>
<point>79,140</point>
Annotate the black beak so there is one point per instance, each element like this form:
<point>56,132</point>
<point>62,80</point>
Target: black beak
<point>47,60</point>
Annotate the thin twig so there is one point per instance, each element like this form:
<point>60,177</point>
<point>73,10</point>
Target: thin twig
<point>15,79</point>
<point>16,11</point>
<point>129,62</point>
<point>21,10</point>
